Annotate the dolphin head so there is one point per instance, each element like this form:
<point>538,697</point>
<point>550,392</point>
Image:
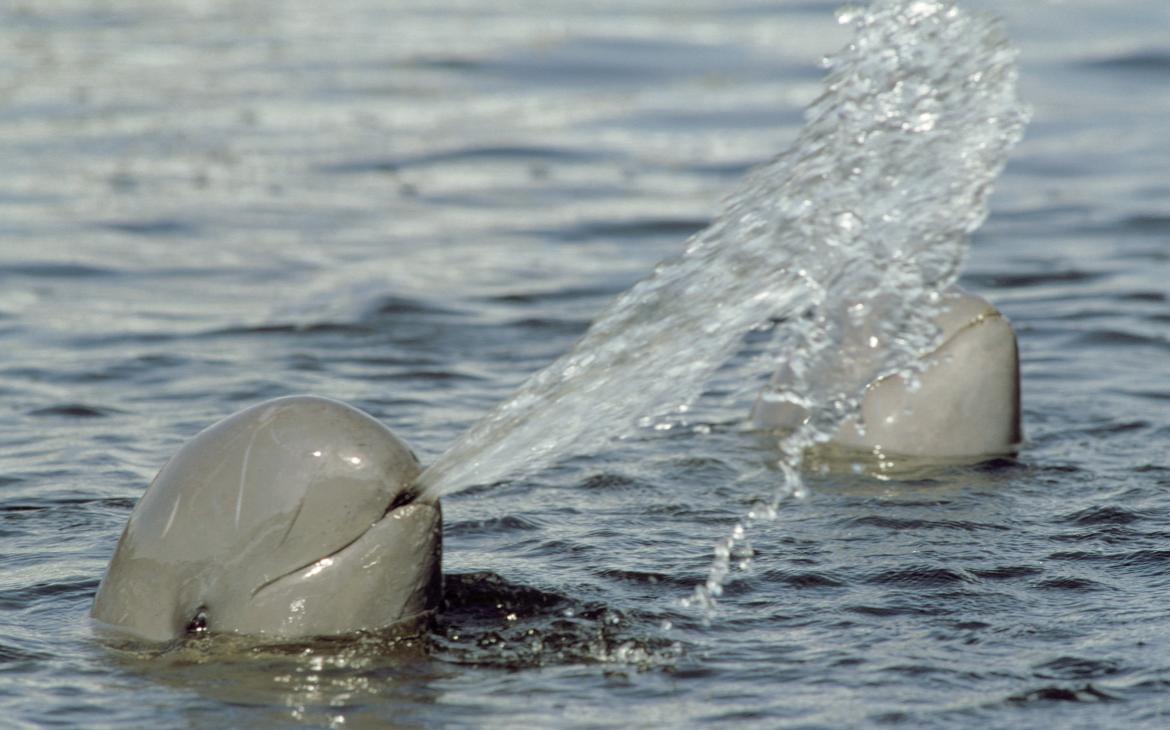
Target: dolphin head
<point>292,518</point>
<point>965,403</point>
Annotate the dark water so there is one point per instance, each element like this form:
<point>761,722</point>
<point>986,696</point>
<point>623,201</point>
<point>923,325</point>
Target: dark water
<point>411,207</point>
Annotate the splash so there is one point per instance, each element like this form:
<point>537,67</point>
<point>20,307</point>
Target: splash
<point>846,239</point>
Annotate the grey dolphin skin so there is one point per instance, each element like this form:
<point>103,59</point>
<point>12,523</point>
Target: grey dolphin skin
<point>289,519</point>
<point>966,403</point>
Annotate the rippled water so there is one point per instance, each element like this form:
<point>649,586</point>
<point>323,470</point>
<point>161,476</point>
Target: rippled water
<point>412,207</point>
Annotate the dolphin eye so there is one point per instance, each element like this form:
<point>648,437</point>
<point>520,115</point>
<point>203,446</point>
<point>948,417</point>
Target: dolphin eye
<point>197,626</point>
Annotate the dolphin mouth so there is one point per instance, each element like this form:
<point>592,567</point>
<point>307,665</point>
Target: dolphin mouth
<point>991,314</point>
<point>403,503</point>
<point>404,498</point>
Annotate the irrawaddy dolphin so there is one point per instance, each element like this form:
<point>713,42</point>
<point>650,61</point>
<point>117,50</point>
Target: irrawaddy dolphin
<point>292,518</point>
<point>296,517</point>
<point>966,403</point>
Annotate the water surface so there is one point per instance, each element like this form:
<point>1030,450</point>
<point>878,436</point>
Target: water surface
<point>412,208</point>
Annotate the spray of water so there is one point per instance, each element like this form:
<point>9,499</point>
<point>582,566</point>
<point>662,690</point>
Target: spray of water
<point>899,153</point>
<point>846,239</point>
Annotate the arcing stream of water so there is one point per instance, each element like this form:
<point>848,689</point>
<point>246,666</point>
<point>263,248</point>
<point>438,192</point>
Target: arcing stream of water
<point>846,239</point>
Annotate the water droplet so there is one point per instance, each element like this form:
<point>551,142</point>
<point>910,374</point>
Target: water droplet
<point>849,13</point>
<point>923,9</point>
<point>847,221</point>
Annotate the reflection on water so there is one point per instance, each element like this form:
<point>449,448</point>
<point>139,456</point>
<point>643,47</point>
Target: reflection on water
<point>318,683</point>
<point>485,622</point>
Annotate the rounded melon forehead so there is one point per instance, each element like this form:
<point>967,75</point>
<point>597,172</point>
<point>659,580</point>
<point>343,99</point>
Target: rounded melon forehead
<point>290,472</point>
<point>257,496</point>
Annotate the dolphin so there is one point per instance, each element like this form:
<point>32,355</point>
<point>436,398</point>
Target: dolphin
<point>290,519</point>
<point>966,402</point>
